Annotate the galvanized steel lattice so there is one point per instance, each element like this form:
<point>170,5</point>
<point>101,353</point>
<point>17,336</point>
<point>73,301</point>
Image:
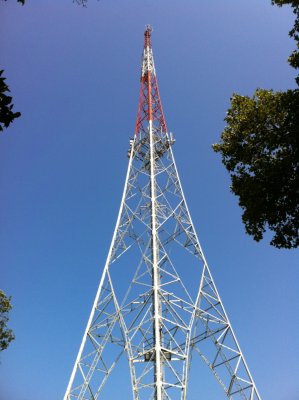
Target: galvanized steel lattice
<point>170,310</point>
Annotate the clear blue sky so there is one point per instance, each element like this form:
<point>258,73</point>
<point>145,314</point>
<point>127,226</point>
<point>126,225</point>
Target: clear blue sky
<point>74,75</point>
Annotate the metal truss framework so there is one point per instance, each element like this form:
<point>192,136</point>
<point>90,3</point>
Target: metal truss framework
<point>157,303</point>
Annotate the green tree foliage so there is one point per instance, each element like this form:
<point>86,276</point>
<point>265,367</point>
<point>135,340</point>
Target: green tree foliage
<point>6,107</point>
<point>81,2</point>
<point>20,1</point>
<point>260,149</point>
<point>294,32</point>
<point>6,114</point>
<point>6,334</point>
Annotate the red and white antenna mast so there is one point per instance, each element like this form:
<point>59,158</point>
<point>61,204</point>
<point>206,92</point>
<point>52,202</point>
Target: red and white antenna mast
<point>157,303</point>
<point>150,106</point>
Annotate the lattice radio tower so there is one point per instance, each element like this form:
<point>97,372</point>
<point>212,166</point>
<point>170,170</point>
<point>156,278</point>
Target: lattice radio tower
<point>157,303</point>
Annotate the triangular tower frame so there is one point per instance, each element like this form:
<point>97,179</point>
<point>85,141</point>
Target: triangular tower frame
<point>148,305</point>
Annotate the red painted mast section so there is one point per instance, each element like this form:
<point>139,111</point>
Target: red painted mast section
<point>148,45</point>
<point>150,106</point>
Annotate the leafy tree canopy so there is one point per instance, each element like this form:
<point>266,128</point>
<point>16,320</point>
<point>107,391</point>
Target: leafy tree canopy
<point>294,32</point>
<point>6,107</point>
<point>81,2</point>
<point>260,149</point>
<point>20,1</point>
<point>6,335</point>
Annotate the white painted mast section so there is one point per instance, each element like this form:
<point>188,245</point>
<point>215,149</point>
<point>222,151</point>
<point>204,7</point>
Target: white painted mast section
<point>148,62</point>
<point>148,67</point>
<point>156,276</point>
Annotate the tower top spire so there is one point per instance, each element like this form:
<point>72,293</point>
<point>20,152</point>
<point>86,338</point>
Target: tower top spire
<point>147,36</point>
<point>150,106</point>
<point>148,66</point>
